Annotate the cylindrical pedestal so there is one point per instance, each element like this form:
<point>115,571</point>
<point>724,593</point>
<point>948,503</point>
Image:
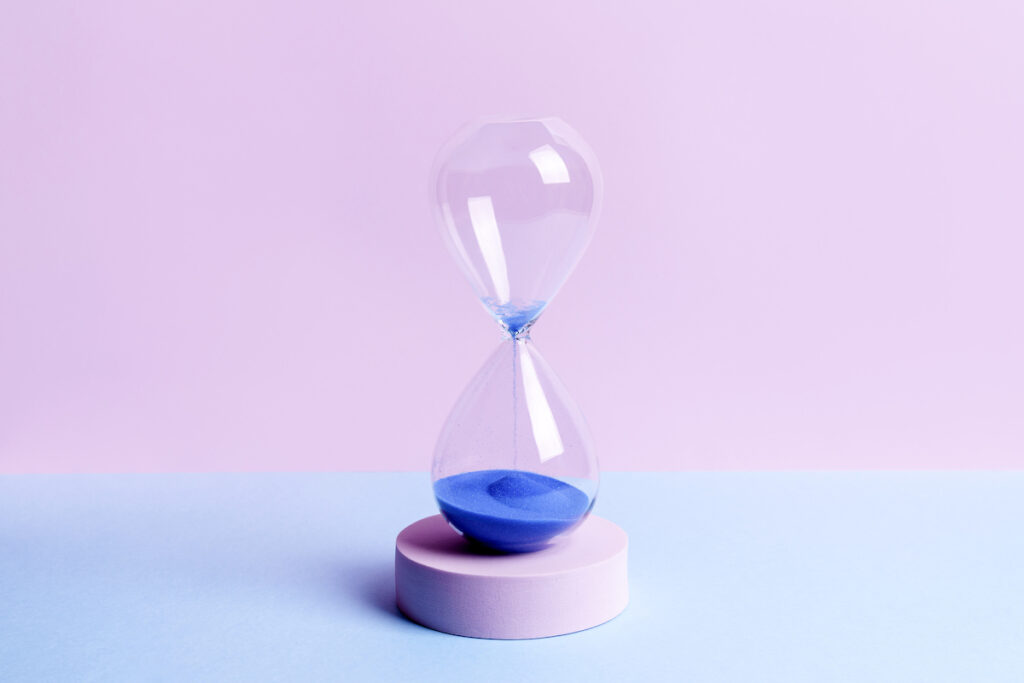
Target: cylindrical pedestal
<point>445,583</point>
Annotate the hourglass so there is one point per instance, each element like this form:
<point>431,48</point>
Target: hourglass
<point>516,201</point>
<point>514,471</point>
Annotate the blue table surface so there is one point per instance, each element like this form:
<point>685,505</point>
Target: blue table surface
<point>796,576</point>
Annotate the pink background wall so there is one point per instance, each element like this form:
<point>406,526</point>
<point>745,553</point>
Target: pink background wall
<point>216,250</point>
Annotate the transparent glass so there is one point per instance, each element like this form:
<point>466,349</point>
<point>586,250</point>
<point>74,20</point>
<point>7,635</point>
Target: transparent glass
<point>517,201</point>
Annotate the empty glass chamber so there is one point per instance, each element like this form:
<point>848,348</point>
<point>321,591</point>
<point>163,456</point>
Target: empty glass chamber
<point>517,201</point>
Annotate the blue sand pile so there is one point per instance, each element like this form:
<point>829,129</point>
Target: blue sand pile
<point>510,510</point>
<point>514,317</point>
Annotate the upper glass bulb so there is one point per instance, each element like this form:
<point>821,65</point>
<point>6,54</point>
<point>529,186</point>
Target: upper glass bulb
<point>517,201</point>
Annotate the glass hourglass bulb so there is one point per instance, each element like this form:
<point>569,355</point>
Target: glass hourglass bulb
<point>517,201</point>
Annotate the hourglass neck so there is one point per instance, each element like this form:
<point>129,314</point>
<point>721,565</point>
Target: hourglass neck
<point>516,318</point>
<point>517,333</point>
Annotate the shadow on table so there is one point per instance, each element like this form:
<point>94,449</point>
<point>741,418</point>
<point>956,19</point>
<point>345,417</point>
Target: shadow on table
<point>370,584</point>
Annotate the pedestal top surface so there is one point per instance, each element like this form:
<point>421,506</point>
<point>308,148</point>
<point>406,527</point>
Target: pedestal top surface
<point>432,542</point>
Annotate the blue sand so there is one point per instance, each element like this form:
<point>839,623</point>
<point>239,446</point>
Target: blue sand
<point>510,510</point>
<point>515,318</point>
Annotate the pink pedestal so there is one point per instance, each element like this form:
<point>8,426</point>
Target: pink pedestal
<point>443,583</point>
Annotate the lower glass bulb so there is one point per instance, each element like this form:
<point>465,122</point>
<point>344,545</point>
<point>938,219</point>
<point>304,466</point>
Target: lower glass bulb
<point>514,466</point>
